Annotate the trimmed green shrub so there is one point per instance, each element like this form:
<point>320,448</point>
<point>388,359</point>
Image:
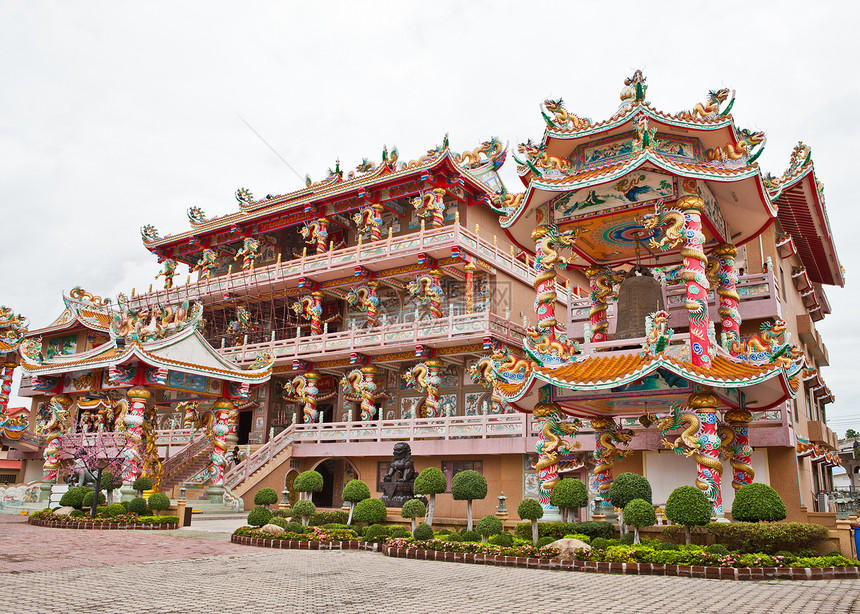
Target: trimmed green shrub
<point>308,481</point>
<point>544,541</point>
<point>531,509</point>
<point>688,506</point>
<point>370,511</point>
<point>569,494</point>
<point>600,543</point>
<point>413,509</point>
<point>454,537</point>
<point>750,537</point>
<point>626,487</point>
<point>265,497</point>
<point>74,497</point>
<point>158,502</point>
<point>283,513</point>
<point>558,530</point>
<point>757,503</point>
<point>488,526</point>
<point>323,517</point>
<point>110,481</point>
<point>355,491</point>
<point>639,513</point>
<point>810,552</point>
<point>259,516</point>
<point>470,536</point>
<point>112,510</point>
<point>294,527</point>
<point>398,531</point>
<point>666,546</point>
<point>281,522</point>
<point>124,504</point>
<point>140,484</point>
<point>467,486</point>
<point>77,514</point>
<point>375,532</point>
<point>502,539</point>
<point>627,539</point>
<point>430,482</point>
<point>87,499</point>
<point>137,506</point>
<point>423,532</point>
<point>304,508</point>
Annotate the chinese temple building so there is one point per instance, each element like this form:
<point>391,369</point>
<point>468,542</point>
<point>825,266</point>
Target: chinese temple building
<point>646,304</point>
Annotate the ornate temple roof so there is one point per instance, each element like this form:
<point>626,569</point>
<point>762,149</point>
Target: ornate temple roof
<point>82,309</point>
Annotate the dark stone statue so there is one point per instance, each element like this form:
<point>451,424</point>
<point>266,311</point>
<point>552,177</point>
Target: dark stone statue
<point>397,483</point>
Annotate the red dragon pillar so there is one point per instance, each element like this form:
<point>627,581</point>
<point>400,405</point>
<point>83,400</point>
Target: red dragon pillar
<point>322,235</point>
<point>544,285</point>
<point>435,300</point>
<point>470,287</point>
<point>372,304</point>
<point>59,408</point>
<point>604,455</point>
<point>316,312</point>
<point>709,469</point>
<point>137,400</point>
<point>738,448</point>
<point>439,209</point>
<point>6,384</point>
<point>728,296</point>
<point>222,410</point>
<point>697,284</point>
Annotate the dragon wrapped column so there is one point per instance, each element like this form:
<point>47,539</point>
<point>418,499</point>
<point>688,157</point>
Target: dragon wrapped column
<point>59,408</point>
<point>310,396</point>
<point>372,304</point>
<point>368,393</point>
<point>138,397</point>
<point>544,285</point>
<point>740,451</point>
<point>470,287</point>
<point>728,295</point>
<point>322,235</point>
<point>709,469</point>
<point>606,432</point>
<point>436,296</point>
<point>376,222</point>
<point>222,410</point>
<point>697,284</point>
<point>551,446</point>
<point>600,280</point>
<point>6,385</point>
<point>439,207</point>
<point>431,407</point>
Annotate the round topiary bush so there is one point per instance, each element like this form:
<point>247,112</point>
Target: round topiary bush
<point>423,532</point>
<point>454,537</point>
<point>74,497</point>
<point>502,539</point>
<point>569,494</point>
<point>77,514</point>
<point>488,526</point>
<point>757,503</point>
<point>287,512</point>
<point>721,549</point>
<point>259,516</point>
<point>375,532</point>
<point>137,506</point>
<point>627,539</point>
<point>158,502</point>
<point>688,506</point>
<point>600,543</point>
<point>398,531</point>
<point>112,510</point>
<point>467,486</point>
<point>370,511</point>
<point>430,482</point>
<point>87,499</point>
<point>413,509</point>
<point>355,491</point>
<point>308,481</point>
<point>281,522</point>
<point>544,541</point>
<point>265,497</point>
<point>110,481</point>
<point>470,536</point>
<point>304,509</point>
<point>294,527</point>
<point>142,483</point>
<point>531,509</point>
<point>626,487</point>
<point>639,513</point>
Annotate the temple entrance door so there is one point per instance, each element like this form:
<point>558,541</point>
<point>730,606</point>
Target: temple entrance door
<point>243,426</point>
<point>326,412</point>
<point>325,498</point>
<point>289,480</point>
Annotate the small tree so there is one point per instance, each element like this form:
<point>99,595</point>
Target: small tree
<point>355,491</point>
<point>488,526</point>
<point>639,513</point>
<point>567,495</point>
<point>259,516</point>
<point>688,506</point>
<point>111,480</point>
<point>370,511</point>
<point>265,497</point>
<point>140,484</point>
<point>413,509</point>
<point>307,482</point>
<point>158,502</point>
<point>851,434</point>
<point>89,498</point>
<point>531,509</point>
<point>137,506</point>
<point>430,482</point>
<point>304,508</point>
<point>757,503</point>
<point>467,486</point>
<point>625,488</point>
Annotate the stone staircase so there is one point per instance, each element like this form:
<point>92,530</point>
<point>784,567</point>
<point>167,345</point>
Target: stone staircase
<point>247,474</point>
<point>185,464</point>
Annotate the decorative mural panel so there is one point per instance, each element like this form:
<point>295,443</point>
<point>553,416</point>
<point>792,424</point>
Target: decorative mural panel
<point>187,381</point>
<point>448,404</point>
<point>409,407</point>
<point>712,212</point>
<point>635,189</point>
<point>475,404</point>
<point>61,346</point>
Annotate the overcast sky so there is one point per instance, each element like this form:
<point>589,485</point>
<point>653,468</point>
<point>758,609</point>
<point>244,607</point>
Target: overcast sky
<point>118,114</point>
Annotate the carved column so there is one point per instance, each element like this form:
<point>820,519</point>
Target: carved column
<point>322,235</point>
<point>59,408</point>
<point>439,209</point>
<point>138,397</point>
<point>232,423</point>
<point>310,396</point>
<point>551,446</point>
<point>697,285</point>
<point>742,471</point>
<point>316,312</point>
<point>470,287</point>
<point>431,407</point>
<point>728,296</point>
<point>6,384</point>
<point>221,411</point>
<point>599,321</point>
<point>709,469</point>
<point>602,455</point>
<point>372,304</point>
<point>376,222</point>
<point>436,294</point>
<point>368,393</point>
<point>544,285</point>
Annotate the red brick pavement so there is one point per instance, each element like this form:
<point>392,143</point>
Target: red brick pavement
<point>27,548</point>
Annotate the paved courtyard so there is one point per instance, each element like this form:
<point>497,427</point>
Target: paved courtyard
<point>197,570</point>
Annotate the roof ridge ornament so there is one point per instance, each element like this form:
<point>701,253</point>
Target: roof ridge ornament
<point>711,109</point>
<point>244,196</point>
<point>196,215</point>
<point>562,118</point>
<point>634,90</point>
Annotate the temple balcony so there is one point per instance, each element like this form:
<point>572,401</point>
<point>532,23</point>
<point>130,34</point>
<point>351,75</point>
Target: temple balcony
<point>809,335</point>
<point>443,332</point>
<point>759,299</point>
<point>819,432</point>
<point>339,264</point>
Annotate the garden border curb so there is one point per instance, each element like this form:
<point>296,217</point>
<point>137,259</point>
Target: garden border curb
<point>102,526</point>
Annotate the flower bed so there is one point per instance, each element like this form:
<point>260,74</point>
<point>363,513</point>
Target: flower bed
<point>319,538</point>
<point>46,518</point>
